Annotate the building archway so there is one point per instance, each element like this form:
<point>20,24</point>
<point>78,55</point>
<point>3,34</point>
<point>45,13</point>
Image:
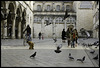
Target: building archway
<point>18,23</point>
<point>10,20</point>
<point>3,11</point>
<point>23,23</point>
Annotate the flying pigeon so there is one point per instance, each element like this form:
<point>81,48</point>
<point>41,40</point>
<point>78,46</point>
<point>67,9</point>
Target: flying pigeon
<point>70,57</point>
<point>33,55</point>
<point>47,23</point>
<point>55,40</point>
<point>96,57</point>
<point>81,59</point>
<point>89,44</point>
<point>57,51</point>
<point>96,46</point>
<point>95,42</point>
<point>92,52</point>
<point>84,44</point>
<point>66,15</point>
<point>58,48</point>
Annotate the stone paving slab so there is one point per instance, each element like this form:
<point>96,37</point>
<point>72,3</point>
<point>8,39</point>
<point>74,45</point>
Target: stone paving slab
<point>18,56</point>
<point>44,57</point>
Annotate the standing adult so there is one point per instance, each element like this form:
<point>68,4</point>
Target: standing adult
<point>68,36</point>
<point>28,29</point>
<point>72,37</point>
<point>76,36</point>
<point>39,35</point>
<point>63,35</point>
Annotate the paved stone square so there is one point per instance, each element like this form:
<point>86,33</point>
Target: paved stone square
<point>14,54</point>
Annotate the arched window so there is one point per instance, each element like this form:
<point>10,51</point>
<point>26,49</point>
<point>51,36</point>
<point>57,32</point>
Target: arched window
<point>60,19</point>
<point>48,8</point>
<point>71,20</point>
<point>58,8</point>
<point>56,20</point>
<point>68,7</point>
<point>50,20</point>
<point>39,19</point>
<point>68,20</point>
<point>39,8</point>
<point>35,19</point>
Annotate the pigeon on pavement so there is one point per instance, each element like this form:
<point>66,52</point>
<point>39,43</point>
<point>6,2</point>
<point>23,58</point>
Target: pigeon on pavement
<point>92,52</point>
<point>96,57</point>
<point>70,57</point>
<point>58,48</point>
<point>81,59</point>
<point>33,55</point>
<point>55,40</point>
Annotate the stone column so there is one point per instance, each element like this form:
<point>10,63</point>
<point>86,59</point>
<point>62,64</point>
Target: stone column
<point>53,6</point>
<point>43,6</point>
<point>5,29</point>
<point>42,27</point>
<point>5,24</point>
<point>54,28</point>
<point>19,27</point>
<point>2,29</point>
<point>13,25</point>
<point>19,30</point>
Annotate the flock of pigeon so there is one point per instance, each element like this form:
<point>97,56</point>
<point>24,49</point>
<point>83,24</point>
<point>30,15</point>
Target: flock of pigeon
<point>96,44</point>
<point>59,46</point>
<point>96,57</point>
<point>70,57</point>
<point>93,51</point>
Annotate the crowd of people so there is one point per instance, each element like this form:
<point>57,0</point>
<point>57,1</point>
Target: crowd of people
<point>71,35</point>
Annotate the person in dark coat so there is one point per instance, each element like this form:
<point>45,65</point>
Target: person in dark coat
<point>39,35</point>
<point>63,35</point>
<point>28,29</point>
<point>68,36</point>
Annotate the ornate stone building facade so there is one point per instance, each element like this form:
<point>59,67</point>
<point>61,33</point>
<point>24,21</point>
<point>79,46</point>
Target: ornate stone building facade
<point>52,12</point>
<point>15,16</point>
